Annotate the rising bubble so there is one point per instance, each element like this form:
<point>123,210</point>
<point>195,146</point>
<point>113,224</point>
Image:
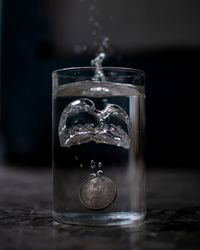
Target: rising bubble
<point>99,172</point>
<point>92,164</point>
<point>92,175</point>
<point>99,165</point>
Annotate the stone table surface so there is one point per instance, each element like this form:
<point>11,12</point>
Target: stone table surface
<point>172,222</point>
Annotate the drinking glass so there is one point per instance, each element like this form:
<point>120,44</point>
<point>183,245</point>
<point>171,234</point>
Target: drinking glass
<point>98,146</point>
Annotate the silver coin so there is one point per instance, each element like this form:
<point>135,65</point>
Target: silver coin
<point>97,193</point>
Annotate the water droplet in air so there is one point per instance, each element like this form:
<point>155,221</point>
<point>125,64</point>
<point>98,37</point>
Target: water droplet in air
<point>76,158</point>
<point>92,8</point>
<point>84,47</point>
<point>92,164</point>
<point>92,175</point>
<point>99,172</point>
<point>81,165</point>
<point>99,165</point>
<point>77,49</point>
<point>90,19</point>
<point>96,24</point>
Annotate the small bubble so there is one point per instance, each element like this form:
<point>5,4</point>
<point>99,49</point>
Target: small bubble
<point>81,165</point>
<point>92,175</point>
<point>99,172</point>
<point>99,165</point>
<point>76,158</point>
<point>92,164</point>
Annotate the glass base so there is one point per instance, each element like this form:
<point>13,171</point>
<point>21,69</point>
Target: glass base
<point>98,219</point>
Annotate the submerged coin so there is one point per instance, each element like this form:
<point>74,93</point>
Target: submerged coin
<point>97,193</point>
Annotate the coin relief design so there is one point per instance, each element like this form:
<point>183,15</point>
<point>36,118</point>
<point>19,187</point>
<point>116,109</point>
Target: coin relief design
<point>97,193</point>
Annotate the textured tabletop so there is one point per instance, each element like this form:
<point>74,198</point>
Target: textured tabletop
<point>172,222</point>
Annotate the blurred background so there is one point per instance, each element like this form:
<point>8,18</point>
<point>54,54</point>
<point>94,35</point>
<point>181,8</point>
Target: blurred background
<point>160,37</point>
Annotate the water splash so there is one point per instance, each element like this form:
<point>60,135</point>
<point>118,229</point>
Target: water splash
<point>98,130</point>
<point>97,63</point>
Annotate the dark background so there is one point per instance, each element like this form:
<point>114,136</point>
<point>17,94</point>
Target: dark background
<point>160,37</point>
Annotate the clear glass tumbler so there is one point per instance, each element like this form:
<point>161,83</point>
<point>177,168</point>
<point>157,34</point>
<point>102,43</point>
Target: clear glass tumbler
<point>98,146</point>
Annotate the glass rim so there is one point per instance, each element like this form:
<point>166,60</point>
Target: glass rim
<point>58,72</point>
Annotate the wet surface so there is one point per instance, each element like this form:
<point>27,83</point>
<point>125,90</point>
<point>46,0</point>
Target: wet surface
<point>172,222</point>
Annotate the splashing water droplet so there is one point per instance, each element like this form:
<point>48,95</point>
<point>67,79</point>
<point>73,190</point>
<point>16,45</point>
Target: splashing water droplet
<point>92,164</point>
<point>99,165</point>
<point>91,19</point>
<point>104,44</point>
<point>92,8</point>
<point>92,175</point>
<point>99,172</point>
<point>76,158</point>
<point>96,24</point>
<point>94,33</point>
<point>78,49</point>
<point>84,47</point>
<point>81,165</point>
<point>97,62</point>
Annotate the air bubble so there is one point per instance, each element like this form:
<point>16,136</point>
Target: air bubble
<point>99,165</point>
<point>100,131</point>
<point>92,164</point>
<point>99,172</point>
<point>92,175</point>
